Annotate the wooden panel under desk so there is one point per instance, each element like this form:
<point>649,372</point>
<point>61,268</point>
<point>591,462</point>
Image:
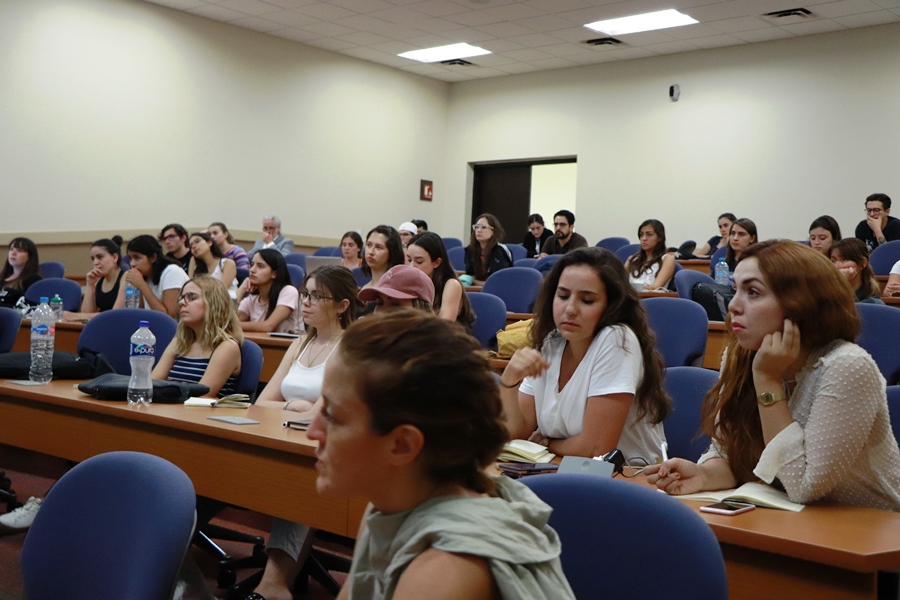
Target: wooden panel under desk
<point>695,264</point>
<point>66,337</point>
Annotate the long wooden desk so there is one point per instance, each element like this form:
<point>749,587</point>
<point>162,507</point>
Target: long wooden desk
<point>267,467</point>
<point>830,551</point>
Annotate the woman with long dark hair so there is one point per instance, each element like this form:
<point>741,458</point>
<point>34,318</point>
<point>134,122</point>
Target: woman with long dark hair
<point>426,253</point>
<point>485,253</point>
<point>351,250</point>
<point>591,378</point>
<point>266,300</point>
<point>741,236</point>
<point>207,259</point>
<point>796,400</point>
<point>156,276</point>
<point>384,249</point>
<point>651,267</point>
<point>823,232</point>
<point>851,257</point>
<point>102,282</point>
<point>536,236</point>
<point>225,241</point>
<point>21,270</point>
<point>724,223</point>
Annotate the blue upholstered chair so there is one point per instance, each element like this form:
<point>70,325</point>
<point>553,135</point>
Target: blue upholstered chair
<point>53,268</point>
<point>327,251</point>
<point>490,313</point>
<point>517,286</point>
<point>525,262</point>
<point>545,263</point>
<point>893,400</point>
<point>457,256</point>
<point>687,386</point>
<point>251,368</point>
<point>110,334</point>
<point>69,291</point>
<point>613,243</point>
<point>671,286</point>
<point>625,251</point>
<point>686,279</point>
<point>606,525</point>
<point>296,258</point>
<point>517,250</point>
<point>681,328</point>
<point>297,274</point>
<point>884,257</point>
<point>878,336</point>
<point>720,253</point>
<point>451,242</point>
<point>242,274</point>
<point>115,526</point>
<point>10,321</point>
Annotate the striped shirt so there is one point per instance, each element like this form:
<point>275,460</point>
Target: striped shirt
<point>191,370</point>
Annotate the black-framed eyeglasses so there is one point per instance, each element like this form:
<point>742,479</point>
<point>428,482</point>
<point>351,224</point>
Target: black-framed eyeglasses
<point>562,224</point>
<point>313,298</point>
<point>171,236</point>
<point>874,211</point>
<point>189,297</point>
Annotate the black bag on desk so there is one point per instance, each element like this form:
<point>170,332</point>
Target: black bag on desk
<point>714,298</point>
<point>15,365</point>
<point>113,386</point>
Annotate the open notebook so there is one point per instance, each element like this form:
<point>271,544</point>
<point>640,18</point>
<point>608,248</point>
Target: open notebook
<point>525,451</point>
<point>232,401</point>
<point>758,494</point>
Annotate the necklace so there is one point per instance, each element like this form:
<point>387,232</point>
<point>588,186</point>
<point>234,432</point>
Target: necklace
<point>322,349</point>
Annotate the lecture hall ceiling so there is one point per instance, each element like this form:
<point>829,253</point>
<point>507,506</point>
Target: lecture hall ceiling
<point>530,35</point>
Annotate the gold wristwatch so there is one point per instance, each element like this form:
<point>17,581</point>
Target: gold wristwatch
<point>770,398</point>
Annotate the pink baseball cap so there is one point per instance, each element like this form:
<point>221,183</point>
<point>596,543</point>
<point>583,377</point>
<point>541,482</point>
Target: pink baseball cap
<point>403,283</point>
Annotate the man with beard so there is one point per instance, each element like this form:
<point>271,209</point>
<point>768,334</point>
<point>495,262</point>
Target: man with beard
<point>564,239</point>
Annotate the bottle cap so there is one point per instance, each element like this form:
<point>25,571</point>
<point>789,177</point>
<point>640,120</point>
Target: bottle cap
<point>56,297</point>
<point>144,324</point>
<point>44,299</point>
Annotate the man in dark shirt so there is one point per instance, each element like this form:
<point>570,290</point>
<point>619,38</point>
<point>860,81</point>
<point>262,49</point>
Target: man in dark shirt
<point>878,227</point>
<point>564,239</point>
<point>174,238</point>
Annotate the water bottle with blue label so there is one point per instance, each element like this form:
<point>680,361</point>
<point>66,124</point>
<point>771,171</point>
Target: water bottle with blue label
<point>132,296</point>
<point>43,334</point>
<point>142,356</point>
<point>722,272</point>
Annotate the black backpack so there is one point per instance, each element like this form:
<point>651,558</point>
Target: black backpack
<point>714,298</point>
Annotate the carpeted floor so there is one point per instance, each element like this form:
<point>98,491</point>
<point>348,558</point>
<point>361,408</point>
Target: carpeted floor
<point>34,475</point>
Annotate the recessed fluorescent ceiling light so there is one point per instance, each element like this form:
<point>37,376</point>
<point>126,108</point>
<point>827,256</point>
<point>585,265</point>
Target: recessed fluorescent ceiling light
<point>646,22</point>
<point>440,53</point>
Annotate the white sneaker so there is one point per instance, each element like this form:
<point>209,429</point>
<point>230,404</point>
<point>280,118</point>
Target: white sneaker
<point>21,518</point>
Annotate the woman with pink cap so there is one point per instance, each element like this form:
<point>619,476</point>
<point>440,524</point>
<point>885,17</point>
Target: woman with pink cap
<point>402,285</point>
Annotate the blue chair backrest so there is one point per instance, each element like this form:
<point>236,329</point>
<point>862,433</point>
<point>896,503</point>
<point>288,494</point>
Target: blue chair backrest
<point>78,540</point>
<point>361,279</point>
<point>525,262</point>
<point>10,321</point>
<point>296,258</point>
<point>490,317</point>
<point>517,250</point>
<point>625,251</point>
<point>251,368</point>
<point>69,291</point>
<point>613,243</point>
<point>671,287</point>
<point>686,279</point>
<point>451,242</point>
<point>884,257</point>
<point>297,274</point>
<point>53,268</point>
<point>720,253</point>
<point>893,400</point>
<point>457,256</point>
<point>681,328</point>
<point>124,262</point>
<point>110,334</point>
<point>687,386</point>
<point>242,274</point>
<point>625,522</point>
<point>517,286</point>
<point>878,336</point>
<point>327,251</point>
<point>545,263</point>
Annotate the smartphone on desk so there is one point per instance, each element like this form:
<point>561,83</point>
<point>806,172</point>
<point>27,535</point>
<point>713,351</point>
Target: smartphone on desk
<point>283,335</point>
<point>516,470</point>
<point>728,507</point>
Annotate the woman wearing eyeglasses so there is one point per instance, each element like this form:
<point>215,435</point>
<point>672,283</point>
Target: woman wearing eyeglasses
<point>328,303</point>
<point>206,348</point>
<point>485,254</point>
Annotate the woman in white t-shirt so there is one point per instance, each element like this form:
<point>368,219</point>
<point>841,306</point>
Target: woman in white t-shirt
<point>268,301</point>
<point>156,276</point>
<point>893,283</point>
<point>592,379</point>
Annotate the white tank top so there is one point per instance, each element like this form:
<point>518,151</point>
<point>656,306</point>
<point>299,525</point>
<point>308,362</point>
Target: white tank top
<point>304,383</point>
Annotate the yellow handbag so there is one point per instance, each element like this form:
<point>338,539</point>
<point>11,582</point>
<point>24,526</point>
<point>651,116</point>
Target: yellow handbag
<point>515,336</point>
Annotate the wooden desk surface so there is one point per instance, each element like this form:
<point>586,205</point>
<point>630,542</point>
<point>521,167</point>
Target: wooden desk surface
<point>695,264</point>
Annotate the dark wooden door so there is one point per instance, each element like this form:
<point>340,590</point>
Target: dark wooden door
<point>504,190</point>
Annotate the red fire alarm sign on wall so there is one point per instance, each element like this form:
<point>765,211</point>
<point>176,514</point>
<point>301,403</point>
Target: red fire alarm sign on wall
<point>426,190</point>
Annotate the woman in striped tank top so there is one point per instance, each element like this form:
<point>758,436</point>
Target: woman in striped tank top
<point>206,347</point>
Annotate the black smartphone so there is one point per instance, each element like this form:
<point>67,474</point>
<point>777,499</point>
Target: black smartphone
<point>528,467</point>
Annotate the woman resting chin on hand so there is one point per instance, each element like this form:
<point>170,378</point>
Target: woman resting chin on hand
<point>797,399</point>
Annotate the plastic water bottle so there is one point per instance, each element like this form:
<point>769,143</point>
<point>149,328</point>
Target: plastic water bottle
<point>56,304</point>
<point>132,296</point>
<point>722,272</point>
<point>43,334</point>
<point>143,351</point>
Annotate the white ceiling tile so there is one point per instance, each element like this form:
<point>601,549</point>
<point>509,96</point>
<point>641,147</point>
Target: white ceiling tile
<point>505,29</point>
<point>813,27</point>
<point>471,36</point>
<point>846,8</point>
<point>484,73</point>
<point>428,41</point>
<point>439,8</point>
<point>217,12</point>
<point>534,40</point>
<point>632,53</point>
<point>361,6</point>
<point>496,46</point>
<point>719,11</point>
<point>395,47</point>
<point>327,29</point>
<point>422,69</point>
<point>878,17</point>
<point>554,63</point>
<point>257,24</point>
<point>762,35</point>
<point>594,58</point>
<point>738,24</point>
<point>452,77</point>
<point>248,7</point>
<point>179,4</point>
<point>646,37</point>
<point>493,60</point>
<point>888,3</point>
<point>437,25</point>
<point>290,3</point>
<point>689,32</point>
<point>563,49</point>
<point>576,34</point>
<point>671,47</point>
<point>544,23</point>
<point>587,15</point>
<point>518,68</point>
<point>362,38</point>
<point>325,12</point>
<point>290,18</point>
<point>400,16</point>
<point>297,35</point>
<point>527,54</point>
<point>332,44</point>
<point>552,6</point>
<point>716,41</point>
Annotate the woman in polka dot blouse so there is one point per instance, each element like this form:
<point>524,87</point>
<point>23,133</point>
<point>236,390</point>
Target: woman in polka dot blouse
<point>798,404</point>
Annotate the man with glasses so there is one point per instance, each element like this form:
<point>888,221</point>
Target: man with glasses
<point>564,239</point>
<point>878,227</point>
<point>272,237</point>
<point>174,237</point>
